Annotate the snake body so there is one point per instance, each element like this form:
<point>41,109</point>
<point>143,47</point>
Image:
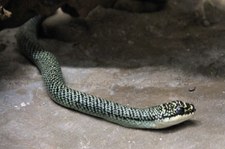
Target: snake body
<point>155,117</point>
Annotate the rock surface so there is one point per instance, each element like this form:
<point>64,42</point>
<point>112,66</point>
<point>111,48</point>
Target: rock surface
<point>134,59</point>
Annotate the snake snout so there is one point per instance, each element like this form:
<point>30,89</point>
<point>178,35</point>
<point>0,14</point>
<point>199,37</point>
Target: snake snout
<point>193,108</point>
<point>189,108</point>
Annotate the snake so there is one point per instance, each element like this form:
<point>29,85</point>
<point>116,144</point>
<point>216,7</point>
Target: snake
<point>152,117</point>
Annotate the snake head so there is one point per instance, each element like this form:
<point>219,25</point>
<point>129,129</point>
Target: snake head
<point>173,113</point>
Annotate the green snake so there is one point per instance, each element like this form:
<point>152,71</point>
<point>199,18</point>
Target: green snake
<point>154,117</point>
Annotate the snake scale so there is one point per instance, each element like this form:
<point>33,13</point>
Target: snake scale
<point>155,117</point>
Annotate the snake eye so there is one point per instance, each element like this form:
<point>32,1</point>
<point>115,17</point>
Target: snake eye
<point>180,110</point>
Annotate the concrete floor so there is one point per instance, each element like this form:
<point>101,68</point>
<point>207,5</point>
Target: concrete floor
<point>134,59</point>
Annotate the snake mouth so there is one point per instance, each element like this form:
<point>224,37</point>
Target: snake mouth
<point>171,121</point>
<point>179,119</point>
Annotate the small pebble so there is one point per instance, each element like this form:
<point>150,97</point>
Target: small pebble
<point>23,104</point>
<point>192,89</point>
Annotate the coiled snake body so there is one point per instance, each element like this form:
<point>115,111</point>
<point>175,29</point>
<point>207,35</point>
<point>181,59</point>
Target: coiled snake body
<point>155,117</point>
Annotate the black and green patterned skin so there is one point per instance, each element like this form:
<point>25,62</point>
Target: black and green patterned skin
<point>155,117</point>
